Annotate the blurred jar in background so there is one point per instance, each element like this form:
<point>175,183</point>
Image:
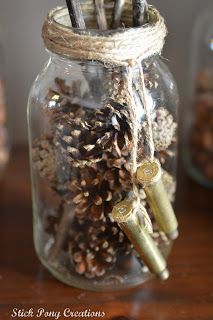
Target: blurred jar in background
<point>198,151</point>
<point>4,150</point>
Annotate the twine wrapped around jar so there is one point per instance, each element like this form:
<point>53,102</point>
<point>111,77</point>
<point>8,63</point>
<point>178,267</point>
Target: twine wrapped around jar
<point>120,47</point>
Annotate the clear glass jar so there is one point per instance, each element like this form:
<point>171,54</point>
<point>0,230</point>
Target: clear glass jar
<point>4,149</point>
<point>198,136</point>
<point>80,148</point>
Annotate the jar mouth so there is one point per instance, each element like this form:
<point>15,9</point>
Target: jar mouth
<point>123,46</point>
<point>62,19</point>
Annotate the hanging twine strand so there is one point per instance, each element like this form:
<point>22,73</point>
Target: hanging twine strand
<point>133,114</point>
<point>135,127</point>
<point>149,133</point>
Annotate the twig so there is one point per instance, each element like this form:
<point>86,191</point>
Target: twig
<point>62,232</point>
<point>117,13</point>
<point>70,10</point>
<point>75,12</point>
<point>139,12</point>
<point>101,14</point>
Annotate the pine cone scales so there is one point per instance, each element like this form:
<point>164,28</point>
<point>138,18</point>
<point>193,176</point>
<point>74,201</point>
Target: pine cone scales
<point>93,251</point>
<point>107,130</point>
<point>164,129</point>
<point>97,190</point>
<point>92,258</point>
<point>44,159</point>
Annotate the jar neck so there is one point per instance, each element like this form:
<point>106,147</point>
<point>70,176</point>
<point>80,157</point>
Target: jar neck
<point>73,63</point>
<point>86,65</point>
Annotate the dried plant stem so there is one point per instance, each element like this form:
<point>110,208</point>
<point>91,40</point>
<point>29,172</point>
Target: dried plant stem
<point>117,13</point>
<point>76,15</point>
<point>139,11</point>
<point>101,15</point>
<point>69,7</point>
<point>61,234</point>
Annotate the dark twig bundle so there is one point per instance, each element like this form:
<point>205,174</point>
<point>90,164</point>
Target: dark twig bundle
<point>139,12</point>
<point>117,12</point>
<point>75,13</point>
<point>101,15</point>
<point>140,8</point>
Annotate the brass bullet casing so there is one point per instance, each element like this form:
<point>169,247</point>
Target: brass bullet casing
<point>126,216</point>
<point>149,176</point>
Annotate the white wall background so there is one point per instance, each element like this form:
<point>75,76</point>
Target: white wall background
<point>21,22</point>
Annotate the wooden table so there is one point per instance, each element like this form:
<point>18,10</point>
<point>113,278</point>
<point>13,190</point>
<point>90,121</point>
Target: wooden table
<point>25,284</point>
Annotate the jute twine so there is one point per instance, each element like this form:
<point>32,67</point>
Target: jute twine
<point>124,47</point>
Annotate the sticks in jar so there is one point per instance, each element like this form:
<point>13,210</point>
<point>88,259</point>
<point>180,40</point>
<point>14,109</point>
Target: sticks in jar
<point>101,15</point>
<point>117,13</point>
<point>139,11</point>
<point>77,19</point>
<point>75,13</point>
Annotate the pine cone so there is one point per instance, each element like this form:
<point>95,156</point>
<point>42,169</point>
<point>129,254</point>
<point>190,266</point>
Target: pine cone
<point>58,105</point>
<point>93,251</point>
<point>106,137</point>
<point>49,163</point>
<point>97,189</point>
<point>105,131</point>
<point>164,129</point>
<point>44,160</point>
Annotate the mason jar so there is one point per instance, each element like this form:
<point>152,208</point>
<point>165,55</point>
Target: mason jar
<point>81,144</point>
<point>198,133</point>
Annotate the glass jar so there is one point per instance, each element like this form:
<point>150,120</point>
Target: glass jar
<point>4,150</point>
<point>80,149</point>
<point>198,146</point>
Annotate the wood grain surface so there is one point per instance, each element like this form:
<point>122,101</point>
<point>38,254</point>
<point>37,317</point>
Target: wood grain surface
<point>25,284</point>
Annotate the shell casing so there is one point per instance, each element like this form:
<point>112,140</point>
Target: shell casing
<point>149,176</point>
<point>125,215</point>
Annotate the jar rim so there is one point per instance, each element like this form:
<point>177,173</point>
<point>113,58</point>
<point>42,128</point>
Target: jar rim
<point>61,13</point>
<point>119,46</point>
